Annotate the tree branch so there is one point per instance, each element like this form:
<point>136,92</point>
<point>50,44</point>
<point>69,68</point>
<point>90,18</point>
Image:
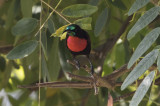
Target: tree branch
<point>5,49</point>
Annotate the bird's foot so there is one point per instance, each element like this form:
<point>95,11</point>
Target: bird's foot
<point>77,65</point>
<point>94,85</point>
<point>92,76</point>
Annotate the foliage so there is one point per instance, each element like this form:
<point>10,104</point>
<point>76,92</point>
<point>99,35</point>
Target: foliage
<point>31,51</point>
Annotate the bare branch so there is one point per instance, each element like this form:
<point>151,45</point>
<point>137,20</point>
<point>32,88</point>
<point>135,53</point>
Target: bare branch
<point>82,78</point>
<point>66,85</point>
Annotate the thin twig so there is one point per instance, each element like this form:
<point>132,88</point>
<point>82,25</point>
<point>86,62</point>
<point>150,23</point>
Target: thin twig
<point>56,12</point>
<point>40,58</point>
<point>48,17</point>
<point>119,72</point>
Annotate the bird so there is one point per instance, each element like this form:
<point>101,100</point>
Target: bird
<point>78,43</point>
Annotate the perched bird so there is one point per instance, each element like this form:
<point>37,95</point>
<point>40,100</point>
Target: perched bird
<point>78,42</point>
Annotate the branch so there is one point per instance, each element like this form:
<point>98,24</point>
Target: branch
<point>82,78</point>
<point>79,85</point>
<point>119,72</point>
<point>102,82</point>
<point>66,85</point>
<point>5,49</point>
<point>89,82</point>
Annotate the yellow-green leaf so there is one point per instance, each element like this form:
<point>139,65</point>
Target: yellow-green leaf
<point>59,31</point>
<point>63,35</point>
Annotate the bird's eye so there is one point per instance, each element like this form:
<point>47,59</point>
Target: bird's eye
<point>67,28</point>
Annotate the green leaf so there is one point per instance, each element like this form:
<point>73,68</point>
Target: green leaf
<point>51,26</point>
<point>24,26</point>
<point>45,72</point>
<point>142,89</point>
<point>12,13</point>
<point>137,5</point>
<point>79,10</point>
<point>143,21</point>
<point>53,60</point>
<point>44,44</point>
<point>70,92</point>
<point>142,66</point>
<point>84,23</point>
<point>158,62</point>
<point>118,3</point>
<point>144,45</point>
<point>120,55</point>
<point>100,22</point>
<point>64,55</point>
<point>26,8</point>
<point>22,50</point>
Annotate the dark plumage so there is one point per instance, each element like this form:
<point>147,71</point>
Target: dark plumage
<point>78,42</point>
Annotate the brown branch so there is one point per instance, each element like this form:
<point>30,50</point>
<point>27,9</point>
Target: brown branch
<point>89,82</point>
<point>27,86</point>
<point>5,49</point>
<point>97,79</point>
<point>80,85</point>
<point>66,85</point>
<point>81,78</point>
<point>119,72</point>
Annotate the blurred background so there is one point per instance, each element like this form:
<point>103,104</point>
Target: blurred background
<point>19,23</point>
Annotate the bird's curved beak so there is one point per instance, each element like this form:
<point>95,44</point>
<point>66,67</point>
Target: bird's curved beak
<point>66,31</point>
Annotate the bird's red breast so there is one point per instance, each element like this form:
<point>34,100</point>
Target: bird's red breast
<point>76,44</point>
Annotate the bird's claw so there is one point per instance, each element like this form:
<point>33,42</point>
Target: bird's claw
<point>77,65</point>
<point>94,84</point>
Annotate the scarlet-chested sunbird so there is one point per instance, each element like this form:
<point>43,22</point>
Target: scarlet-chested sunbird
<point>78,43</point>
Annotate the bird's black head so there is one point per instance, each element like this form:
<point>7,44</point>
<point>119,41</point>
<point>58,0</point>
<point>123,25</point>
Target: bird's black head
<point>72,29</point>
